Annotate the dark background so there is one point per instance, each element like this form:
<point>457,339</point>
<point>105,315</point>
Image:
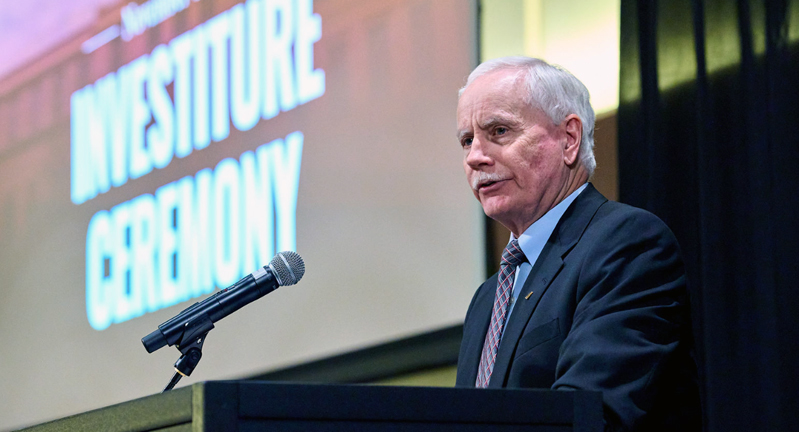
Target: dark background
<point>707,117</point>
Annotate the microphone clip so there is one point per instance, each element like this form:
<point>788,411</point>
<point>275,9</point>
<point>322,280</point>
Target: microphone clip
<point>190,346</point>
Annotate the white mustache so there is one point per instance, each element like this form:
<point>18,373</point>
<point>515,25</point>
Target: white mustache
<point>482,177</point>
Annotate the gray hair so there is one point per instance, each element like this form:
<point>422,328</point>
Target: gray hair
<point>553,90</point>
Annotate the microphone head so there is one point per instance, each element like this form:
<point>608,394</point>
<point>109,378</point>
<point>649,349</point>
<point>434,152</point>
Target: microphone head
<point>287,267</point>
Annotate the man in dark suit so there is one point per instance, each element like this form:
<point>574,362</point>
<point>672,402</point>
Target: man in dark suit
<point>591,293</point>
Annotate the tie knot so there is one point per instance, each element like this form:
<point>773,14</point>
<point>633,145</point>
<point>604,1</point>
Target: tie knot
<point>512,255</point>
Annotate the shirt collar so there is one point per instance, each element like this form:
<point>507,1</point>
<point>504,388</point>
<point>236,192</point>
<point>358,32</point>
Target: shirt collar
<point>534,238</point>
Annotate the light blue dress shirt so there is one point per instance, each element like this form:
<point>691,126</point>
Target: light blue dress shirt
<point>533,240</point>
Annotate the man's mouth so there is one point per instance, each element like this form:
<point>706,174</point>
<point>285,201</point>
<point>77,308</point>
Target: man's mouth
<point>487,181</point>
<point>489,186</point>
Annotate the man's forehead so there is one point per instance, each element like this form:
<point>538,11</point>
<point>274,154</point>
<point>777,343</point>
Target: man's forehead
<point>486,110</point>
<point>497,88</point>
<point>496,82</point>
<point>487,119</point>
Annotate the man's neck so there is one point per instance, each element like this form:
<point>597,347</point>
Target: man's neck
<point>560,200</point>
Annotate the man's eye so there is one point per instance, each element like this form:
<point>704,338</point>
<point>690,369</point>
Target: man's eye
<point>466,142</point>
<point>500,131</point>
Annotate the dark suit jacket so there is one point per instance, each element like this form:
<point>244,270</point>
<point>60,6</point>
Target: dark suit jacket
<point>608,311</point>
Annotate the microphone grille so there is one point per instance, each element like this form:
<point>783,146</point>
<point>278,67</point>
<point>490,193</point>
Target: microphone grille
<point>288,267</point>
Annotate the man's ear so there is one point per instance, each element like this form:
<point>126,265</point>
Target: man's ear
<point>573,130</point>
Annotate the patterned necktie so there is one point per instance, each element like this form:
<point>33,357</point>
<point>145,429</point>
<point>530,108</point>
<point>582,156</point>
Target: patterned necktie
<point>512,256</point>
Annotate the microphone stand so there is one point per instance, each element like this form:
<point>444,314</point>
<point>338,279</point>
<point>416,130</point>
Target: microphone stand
<point>190,346</point>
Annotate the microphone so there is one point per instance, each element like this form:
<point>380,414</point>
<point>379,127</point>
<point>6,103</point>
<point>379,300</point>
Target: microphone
<point>285,269</point>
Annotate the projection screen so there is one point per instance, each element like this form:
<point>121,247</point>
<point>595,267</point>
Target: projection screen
<point>171,147</point>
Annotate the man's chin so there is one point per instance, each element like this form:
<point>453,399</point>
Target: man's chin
<point>500,209</point>
<point>495,211</point>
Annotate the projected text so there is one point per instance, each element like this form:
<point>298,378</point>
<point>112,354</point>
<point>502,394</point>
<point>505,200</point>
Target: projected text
<point>243,65</point>
<point>240,67</point>
<point>194,234</point>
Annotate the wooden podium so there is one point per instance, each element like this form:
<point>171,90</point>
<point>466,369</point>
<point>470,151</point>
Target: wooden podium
<point>263,406</point>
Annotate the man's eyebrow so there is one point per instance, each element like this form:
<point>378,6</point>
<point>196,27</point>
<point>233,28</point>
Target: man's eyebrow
<point>489,123</point>
<point>493,121</point>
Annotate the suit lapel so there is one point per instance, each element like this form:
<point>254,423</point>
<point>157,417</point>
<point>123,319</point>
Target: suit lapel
<point>566,234</point>
<point>473,347</point>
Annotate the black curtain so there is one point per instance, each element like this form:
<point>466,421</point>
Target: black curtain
<point>708,117</point>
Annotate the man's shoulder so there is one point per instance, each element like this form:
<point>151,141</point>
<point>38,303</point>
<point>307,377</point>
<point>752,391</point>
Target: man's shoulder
<point>614,211</point>
<point>626,217</point>
<point>600,227</point>
<point>614,215</point>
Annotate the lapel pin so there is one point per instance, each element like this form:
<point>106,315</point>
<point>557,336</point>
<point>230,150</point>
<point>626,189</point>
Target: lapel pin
<point>527,297</point>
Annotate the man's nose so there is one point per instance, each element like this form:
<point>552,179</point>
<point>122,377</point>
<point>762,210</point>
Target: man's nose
<point>478,154</point>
